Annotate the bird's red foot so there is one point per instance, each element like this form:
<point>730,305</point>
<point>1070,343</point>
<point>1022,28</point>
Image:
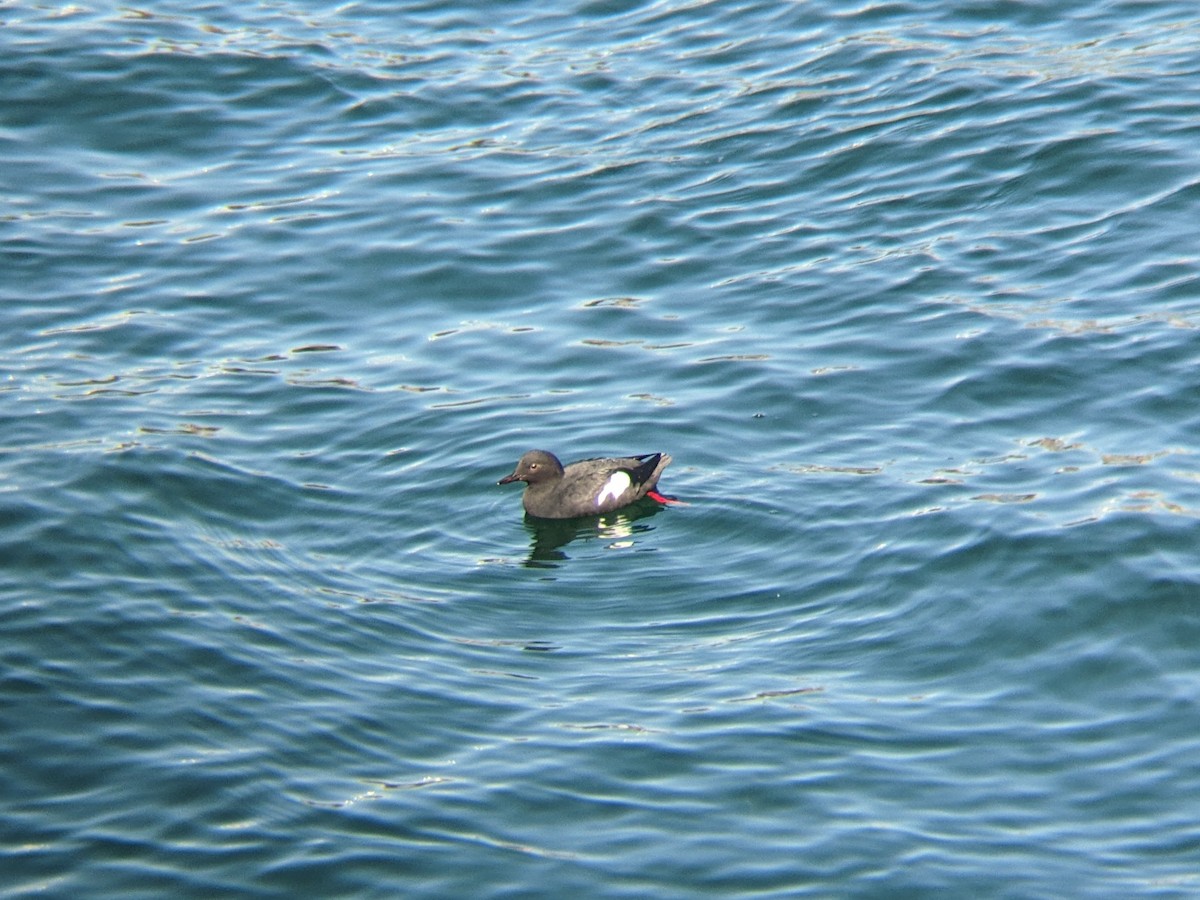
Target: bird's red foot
<point>663,498</point>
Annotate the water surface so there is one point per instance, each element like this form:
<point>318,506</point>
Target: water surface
<point>910,295</point>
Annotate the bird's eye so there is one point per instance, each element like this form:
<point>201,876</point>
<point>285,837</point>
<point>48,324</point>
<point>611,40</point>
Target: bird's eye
<point>533,465</point>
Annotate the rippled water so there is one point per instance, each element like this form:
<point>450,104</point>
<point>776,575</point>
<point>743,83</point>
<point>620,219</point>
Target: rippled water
<point>910,295</point>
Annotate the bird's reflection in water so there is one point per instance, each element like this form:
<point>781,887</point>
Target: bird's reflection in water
<point>548,537</point>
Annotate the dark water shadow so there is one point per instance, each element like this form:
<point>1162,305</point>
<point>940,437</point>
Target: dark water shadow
<point>548,537</point>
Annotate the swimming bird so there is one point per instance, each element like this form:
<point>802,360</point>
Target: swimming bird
<point>588,487</point>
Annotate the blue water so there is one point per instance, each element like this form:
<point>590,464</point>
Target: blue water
<point>910,293</point>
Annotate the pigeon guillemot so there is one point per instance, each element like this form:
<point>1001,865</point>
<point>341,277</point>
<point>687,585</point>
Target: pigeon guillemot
<point>587,487</point>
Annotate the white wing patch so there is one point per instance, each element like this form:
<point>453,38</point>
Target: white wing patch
<point>617,484</point>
